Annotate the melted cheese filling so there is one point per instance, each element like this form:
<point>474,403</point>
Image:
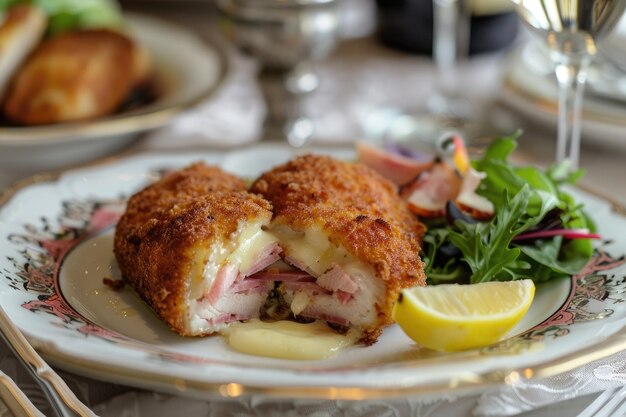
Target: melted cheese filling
<point>312,248</point>
<point>287,339</point>
<point>312,251</point>
<point>251,243</point>
<point>241,250</point>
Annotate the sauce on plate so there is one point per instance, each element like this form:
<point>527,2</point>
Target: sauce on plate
<point>287,339</point>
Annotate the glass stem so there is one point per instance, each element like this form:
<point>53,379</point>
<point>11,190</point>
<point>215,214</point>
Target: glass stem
<point>451,32</point>
<point>451,36</point>
<point>571,76</point>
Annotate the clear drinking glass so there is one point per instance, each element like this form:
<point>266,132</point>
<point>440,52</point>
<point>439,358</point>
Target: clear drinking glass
<point>572,29</point>
<point>285,36</point>
<point>451,36</point>
<point>447,108</point>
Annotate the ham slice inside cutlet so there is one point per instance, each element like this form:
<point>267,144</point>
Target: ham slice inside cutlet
<point>189,244</point>
<point>350,236</point>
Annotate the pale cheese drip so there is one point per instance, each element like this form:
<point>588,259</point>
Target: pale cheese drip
<point>287,339</point>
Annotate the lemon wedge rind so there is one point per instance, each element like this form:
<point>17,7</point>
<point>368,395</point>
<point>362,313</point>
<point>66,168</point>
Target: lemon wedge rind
<point>459,317</point>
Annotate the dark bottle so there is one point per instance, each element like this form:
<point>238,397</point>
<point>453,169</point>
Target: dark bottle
<point>408,25</point>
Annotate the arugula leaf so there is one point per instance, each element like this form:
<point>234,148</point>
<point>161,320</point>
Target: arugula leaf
<point>500,149</point>
<point>536,271</point>
<point>501,176</point>
<point>536,179</point>
<point>577,219</point>
<point>433,242</point>
<point>560,173</point>
<point>450,273</point>
<point>486,246</point>
<point>438,269</point>
<point>550,252</point>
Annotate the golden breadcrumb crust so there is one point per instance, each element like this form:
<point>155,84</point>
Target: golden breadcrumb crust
<point>73,76</point>
<point>161,252</point>
<point>357,209</point>
<point>196,180</point>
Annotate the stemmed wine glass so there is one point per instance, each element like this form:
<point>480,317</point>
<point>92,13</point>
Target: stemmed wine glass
<point>285,36</point>
<point>451,35</point>
<point>572,29</point>
<point>447,109</point>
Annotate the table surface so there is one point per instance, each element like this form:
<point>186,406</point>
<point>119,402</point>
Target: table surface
<point>605,166</point>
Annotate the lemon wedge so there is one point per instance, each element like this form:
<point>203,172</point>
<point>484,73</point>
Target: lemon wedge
<point>456,317</point>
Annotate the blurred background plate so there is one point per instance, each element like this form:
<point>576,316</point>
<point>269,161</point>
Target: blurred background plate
<point>529,86</point>
<point>188,70</point>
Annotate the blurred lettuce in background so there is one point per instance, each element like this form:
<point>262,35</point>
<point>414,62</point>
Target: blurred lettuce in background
<point>75,14</point>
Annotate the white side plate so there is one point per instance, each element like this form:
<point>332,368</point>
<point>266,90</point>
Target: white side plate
<point>186,68</point>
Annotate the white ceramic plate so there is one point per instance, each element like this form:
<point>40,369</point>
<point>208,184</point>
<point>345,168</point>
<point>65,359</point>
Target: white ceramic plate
<point>187,69</point>
<point>529,86</point>
<point>56,248</point>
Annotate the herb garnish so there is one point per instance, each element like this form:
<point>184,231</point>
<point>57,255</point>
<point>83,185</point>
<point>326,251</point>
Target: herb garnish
<point>525,199</point>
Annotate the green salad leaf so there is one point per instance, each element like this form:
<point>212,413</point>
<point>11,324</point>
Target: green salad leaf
<point>523,197</point>
<point>449,271</point>
<point>67,15</point>
<point>5,4</point>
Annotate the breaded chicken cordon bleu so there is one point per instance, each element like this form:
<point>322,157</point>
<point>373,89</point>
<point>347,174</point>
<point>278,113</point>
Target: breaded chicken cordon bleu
<point>351,239</point>
<point>204,253</point>
<point>189,243</point>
